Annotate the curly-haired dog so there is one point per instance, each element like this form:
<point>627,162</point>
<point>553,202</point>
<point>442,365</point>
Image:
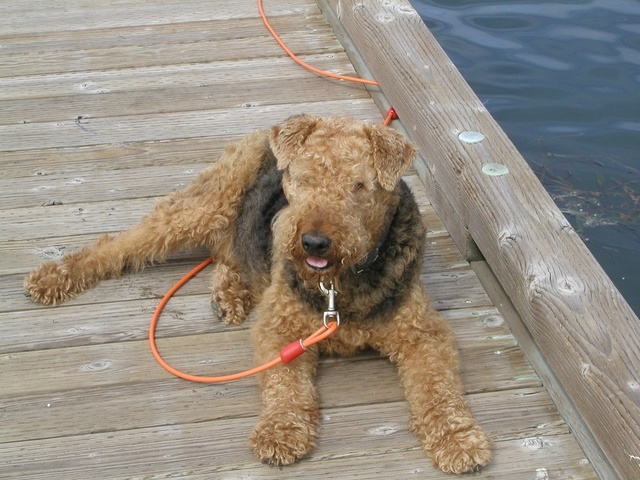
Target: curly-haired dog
<point>315,200</point>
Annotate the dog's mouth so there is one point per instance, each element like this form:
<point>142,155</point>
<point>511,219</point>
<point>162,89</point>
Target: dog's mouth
<point>318,263</point>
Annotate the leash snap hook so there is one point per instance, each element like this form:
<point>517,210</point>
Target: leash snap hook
<point>331,311</point>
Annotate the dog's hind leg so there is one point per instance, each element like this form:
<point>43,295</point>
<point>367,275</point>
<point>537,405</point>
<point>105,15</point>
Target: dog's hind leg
<point>200,215</point>
<point>151,240</point>
<point>421,344</point>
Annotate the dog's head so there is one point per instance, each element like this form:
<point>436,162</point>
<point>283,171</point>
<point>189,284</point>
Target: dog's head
<point>340,177</point>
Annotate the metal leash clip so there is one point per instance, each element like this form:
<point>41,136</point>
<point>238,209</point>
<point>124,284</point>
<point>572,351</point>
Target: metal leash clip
<point>331,304</point>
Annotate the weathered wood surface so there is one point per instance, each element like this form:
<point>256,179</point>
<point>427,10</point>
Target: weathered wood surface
<point>587,333</point>
<point>105,106</point>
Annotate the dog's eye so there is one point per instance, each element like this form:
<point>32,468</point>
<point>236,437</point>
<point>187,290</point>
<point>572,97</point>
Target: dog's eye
<point>357,186</point>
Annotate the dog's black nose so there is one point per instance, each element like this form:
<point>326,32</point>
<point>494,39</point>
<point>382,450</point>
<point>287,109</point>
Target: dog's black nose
<point>315,243</point>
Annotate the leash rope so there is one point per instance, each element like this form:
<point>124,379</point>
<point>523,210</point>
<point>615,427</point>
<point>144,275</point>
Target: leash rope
<point>303,63</point>
<point>287,354</point>
<point>294,349</point>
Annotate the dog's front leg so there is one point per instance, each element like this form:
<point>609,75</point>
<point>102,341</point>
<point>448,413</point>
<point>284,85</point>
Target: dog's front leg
<point>288,424</point>
<point>231,298</point>
<point>419,341</point>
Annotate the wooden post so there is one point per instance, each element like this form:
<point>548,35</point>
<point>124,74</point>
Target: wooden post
<point>483,188</point>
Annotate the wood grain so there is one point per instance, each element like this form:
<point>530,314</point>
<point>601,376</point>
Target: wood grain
<point>125,128</point>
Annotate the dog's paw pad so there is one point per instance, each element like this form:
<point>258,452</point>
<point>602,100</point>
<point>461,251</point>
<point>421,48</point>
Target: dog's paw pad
<point>463,451</point>
<point>216,309</point>
<point>280,443</point>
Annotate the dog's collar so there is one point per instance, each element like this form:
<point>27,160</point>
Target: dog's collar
<point>375,253</point>
<point>370,260</point>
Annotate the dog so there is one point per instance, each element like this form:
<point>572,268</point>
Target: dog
<point>312,202</point>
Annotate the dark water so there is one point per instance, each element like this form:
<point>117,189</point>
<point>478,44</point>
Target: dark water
<point>562,79</point>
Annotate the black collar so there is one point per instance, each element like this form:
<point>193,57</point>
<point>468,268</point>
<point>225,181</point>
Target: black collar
<point>375,253</point>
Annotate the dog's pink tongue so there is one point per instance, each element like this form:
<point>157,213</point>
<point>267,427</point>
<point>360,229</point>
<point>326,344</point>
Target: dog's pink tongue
<point>316,262</point>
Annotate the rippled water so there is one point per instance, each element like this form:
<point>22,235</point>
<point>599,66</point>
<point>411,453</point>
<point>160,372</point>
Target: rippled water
<point>562,79</point>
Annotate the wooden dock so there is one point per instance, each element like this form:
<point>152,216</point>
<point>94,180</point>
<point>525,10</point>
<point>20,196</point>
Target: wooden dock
<point>106,106</point>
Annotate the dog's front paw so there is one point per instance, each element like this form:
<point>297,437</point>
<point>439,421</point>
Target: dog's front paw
<point>462,451</point>
<point>51,283</point>
<point>283,441</point>
<point>231,313</point>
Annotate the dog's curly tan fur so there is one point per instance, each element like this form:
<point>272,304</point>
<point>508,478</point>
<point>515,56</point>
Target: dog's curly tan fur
<point>316,199</point>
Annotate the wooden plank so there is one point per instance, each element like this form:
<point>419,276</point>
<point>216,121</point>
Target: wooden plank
<point>126,80</point>
<point>586,331</point>
<point>561,459</point>
<point>244,23</point>
<point>219,449</point>
<point>73,219</point>
<point>65,412</point>
<point>250,47</point>
<point>25,17</point>
<point>492,365</point>
<point>24,164</point>
<point>180,97</point>
<point>457,230</point>
<point>111,303</point>
<point>122,129</point>
<point>84,185</point>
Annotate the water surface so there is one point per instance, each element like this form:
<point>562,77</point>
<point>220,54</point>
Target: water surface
<point>562,79</point>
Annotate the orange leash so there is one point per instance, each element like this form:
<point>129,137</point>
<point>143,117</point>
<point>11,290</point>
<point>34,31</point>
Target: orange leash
<point>391,113</point>
<point>301,62</point>
<point>287,354</point>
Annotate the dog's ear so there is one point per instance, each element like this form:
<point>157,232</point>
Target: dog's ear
<point>392,154</point>
<point>288,138</point>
